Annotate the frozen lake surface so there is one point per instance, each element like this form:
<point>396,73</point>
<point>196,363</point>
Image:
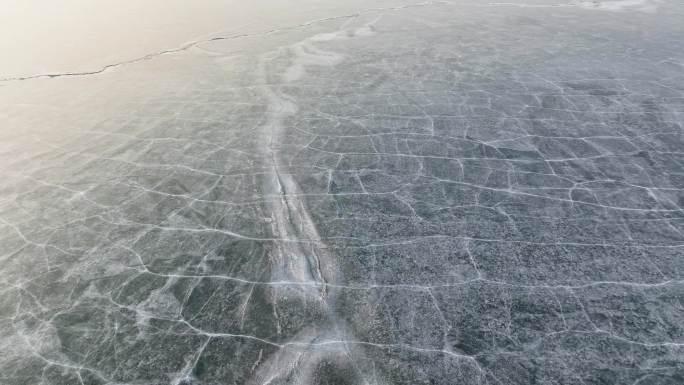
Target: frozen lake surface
<point>328,192</point>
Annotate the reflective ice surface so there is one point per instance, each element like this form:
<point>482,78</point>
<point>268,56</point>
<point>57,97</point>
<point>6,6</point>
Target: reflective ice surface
<point>447,192</point>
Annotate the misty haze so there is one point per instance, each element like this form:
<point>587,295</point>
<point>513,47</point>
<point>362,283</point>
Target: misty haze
<point>334,192</point>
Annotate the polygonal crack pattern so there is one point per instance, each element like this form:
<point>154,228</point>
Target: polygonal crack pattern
<point>439,194</point>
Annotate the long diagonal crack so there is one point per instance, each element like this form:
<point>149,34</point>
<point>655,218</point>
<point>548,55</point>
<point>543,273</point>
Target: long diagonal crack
<point>189,45</point>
